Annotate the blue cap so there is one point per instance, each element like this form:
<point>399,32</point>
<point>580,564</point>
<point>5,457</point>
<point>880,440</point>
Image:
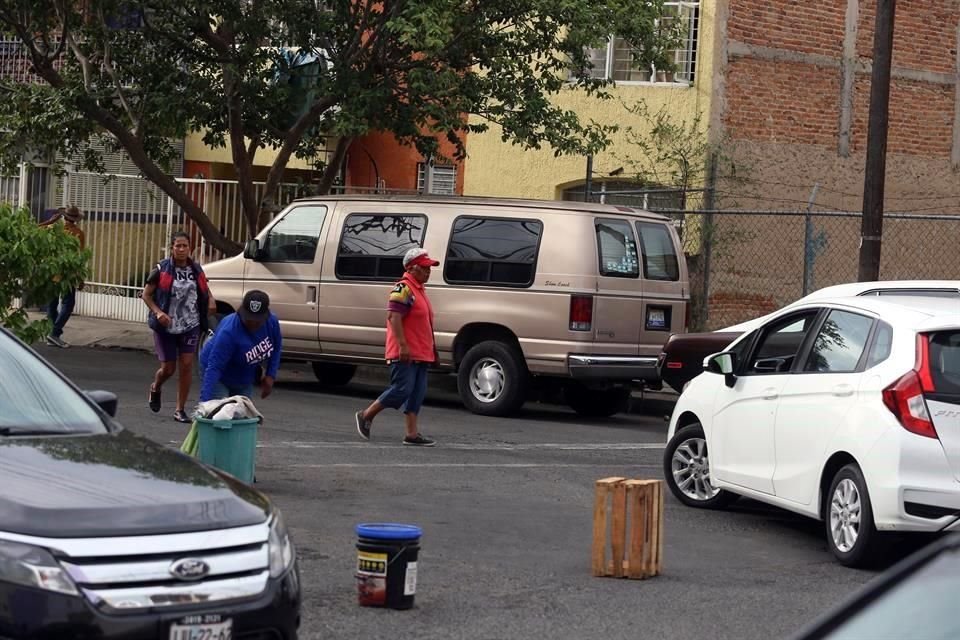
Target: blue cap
<point>388,531</point>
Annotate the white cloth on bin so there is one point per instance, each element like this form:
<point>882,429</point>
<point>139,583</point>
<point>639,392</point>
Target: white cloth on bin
<point>232,408</point>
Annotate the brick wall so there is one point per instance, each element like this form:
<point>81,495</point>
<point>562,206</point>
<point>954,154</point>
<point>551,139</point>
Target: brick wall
<point>806,26</point>
<point>784,102</point>
<point>783,81</point>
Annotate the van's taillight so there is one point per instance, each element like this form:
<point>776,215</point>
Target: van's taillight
<point>904,398</point>
<point>581,313</point>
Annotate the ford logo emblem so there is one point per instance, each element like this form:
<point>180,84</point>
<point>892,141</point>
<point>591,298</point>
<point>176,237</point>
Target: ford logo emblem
<point>189,569</point>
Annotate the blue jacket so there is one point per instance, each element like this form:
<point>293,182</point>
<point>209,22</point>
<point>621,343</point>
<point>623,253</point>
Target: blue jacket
<point>233,354</point>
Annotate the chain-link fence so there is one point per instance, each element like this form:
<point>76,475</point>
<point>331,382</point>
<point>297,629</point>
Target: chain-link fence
<point>744,264</point>
<point>747,263</point>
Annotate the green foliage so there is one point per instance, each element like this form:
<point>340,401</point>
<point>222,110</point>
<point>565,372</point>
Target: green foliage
<point>36,265</point>
<point>670,151</point>
<point>290,74</point>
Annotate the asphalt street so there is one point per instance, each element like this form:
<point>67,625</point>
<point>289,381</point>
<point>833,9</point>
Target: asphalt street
<point>506,508</point>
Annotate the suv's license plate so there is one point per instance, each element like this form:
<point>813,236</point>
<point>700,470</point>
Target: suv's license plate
<point>202,631</point>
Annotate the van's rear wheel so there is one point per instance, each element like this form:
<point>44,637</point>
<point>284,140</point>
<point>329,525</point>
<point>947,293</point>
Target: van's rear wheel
<point>597,403</point>
<point>333,374</point>
<point>492,379</point>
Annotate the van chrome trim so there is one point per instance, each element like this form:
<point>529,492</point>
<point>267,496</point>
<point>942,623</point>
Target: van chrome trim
<point>179,594</point>
<point>193,542</point>
<point>612,361</point>
<point>624,368</point>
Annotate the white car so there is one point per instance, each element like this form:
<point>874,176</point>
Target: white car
<point>842,409</point>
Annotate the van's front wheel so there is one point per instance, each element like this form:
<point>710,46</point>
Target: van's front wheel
<point>333,374</point>
<point>492,379</point>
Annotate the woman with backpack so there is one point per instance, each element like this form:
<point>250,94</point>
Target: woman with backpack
<point>179,300</point>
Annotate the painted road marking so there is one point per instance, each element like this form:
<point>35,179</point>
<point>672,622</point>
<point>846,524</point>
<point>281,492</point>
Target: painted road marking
<point>460,465</point>
<point>503,446</point>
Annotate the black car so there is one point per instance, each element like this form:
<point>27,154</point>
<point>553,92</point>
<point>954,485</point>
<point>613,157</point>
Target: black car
<point>107,535</point>
<point>916,599</point>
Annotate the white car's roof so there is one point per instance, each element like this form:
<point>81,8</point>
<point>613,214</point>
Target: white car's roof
<point>857,289</point>
<point>915,312</point>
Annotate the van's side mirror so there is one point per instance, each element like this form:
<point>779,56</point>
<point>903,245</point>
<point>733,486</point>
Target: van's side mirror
<point>723,363</point>
<point>252,249</point>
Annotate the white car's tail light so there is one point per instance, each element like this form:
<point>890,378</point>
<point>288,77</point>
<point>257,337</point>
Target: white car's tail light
<point>904,398</point>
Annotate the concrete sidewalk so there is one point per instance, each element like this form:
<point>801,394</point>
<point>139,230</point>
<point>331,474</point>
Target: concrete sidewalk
<point>118,334</point>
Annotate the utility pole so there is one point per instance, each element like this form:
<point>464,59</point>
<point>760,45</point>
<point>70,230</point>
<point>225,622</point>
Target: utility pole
<point>588,183</point>
<point>871,227</point>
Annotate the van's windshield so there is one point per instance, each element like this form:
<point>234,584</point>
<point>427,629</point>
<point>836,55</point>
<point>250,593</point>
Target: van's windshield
<point>34,399</point>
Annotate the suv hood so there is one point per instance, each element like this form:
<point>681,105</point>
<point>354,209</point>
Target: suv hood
<point>115,484</point>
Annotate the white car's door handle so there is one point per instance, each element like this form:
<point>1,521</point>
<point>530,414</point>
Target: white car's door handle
<point>843,390</point>
<point>770,394</point>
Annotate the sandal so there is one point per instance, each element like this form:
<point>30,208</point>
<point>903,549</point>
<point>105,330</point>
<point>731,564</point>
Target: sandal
<point>181,416</point>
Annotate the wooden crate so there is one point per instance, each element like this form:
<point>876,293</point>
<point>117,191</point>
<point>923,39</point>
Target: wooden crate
<point>634,511</point>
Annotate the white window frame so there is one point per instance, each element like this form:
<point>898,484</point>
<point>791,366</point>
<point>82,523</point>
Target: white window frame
<point>683,56</point>
<point>443,178</point>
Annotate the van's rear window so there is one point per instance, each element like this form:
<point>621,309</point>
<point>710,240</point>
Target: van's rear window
<point>659,255</point>
<point>618,249</point>
<point>492,251</point>
<point>372,246</point>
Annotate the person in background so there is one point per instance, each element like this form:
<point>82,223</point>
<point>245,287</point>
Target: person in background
<point>242,341</point>
<point>410,349</point>
<point>180,301</point>
<point>61,308</point>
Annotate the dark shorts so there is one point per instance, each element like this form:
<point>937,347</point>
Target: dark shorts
<point>170,346</point>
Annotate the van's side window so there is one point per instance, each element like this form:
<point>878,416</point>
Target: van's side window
<point>618,249</point>
<point>295,237</point>
<point>372,246</point>
<point>659,255</point>
<point>493,251</point>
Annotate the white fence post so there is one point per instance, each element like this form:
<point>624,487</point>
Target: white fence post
<point>166,243</point>
<point>22,186</point>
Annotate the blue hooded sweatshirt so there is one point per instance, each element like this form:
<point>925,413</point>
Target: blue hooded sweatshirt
<point>233,354</point>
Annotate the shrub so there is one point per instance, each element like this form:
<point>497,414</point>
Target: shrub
<point>36,265</point>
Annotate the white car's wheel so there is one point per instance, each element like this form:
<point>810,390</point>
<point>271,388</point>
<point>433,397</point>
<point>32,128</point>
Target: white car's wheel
<point>851,534</point>
<point>687,470</point>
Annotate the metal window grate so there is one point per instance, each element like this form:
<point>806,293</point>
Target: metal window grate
<point>443,179</point>
<point>617,60</point>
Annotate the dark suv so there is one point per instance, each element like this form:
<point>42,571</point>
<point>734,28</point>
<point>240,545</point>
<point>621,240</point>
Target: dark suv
<point>105,534</point>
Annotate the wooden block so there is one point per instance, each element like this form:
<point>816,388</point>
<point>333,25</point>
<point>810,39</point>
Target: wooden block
<point>636,528</point>
<point>618,527</point>
<point>603,489</point>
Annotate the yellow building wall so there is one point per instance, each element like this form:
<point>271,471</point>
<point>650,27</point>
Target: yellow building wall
<point>497,168</point>
<point>195,150</point>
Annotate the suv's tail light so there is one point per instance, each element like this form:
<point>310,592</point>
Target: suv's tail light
<point>904,398</point>
<point>581,313</point>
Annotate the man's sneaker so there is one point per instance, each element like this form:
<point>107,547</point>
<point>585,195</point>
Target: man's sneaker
<point>181,416</point>
<point>57,341</point>
<point>418,441</point>
<point>154,400</point>
<point>363,426</point>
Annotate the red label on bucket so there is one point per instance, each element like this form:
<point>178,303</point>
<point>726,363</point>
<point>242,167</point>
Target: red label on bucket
<point>371,578</point>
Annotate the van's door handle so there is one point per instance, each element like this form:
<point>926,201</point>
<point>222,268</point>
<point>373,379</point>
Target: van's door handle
<point>311,295</point>
<point>843,390</point>
<point>770,394</point>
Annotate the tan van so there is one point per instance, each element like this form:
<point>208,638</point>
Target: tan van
<point>561,294</point>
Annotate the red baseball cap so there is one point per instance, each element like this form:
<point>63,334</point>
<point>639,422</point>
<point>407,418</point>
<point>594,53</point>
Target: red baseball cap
<point>418,257</point>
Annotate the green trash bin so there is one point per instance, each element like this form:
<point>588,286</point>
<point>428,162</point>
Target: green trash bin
<point>229,445</point>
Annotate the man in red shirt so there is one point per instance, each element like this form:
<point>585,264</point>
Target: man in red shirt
<point>410,349</point>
